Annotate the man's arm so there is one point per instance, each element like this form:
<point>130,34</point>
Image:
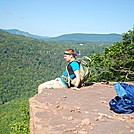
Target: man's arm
<point>77,73</point>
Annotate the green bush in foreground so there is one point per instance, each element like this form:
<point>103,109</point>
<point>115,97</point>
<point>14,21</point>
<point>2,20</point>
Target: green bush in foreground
<point>14,117</point>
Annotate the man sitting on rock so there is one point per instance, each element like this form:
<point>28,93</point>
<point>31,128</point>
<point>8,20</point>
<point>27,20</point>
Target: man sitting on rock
<point>72,72</point>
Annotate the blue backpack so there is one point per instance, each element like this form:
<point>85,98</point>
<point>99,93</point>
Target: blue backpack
<point>123,103</point>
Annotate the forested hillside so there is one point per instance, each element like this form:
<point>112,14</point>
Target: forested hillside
<point>27,62</point>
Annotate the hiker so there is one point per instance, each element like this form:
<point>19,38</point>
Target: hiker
<point>73,70</point>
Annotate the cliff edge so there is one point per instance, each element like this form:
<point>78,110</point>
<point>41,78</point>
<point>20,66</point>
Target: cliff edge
<point>65,111</point>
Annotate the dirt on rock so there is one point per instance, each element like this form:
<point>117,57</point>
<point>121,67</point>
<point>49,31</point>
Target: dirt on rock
<point>65,111</point>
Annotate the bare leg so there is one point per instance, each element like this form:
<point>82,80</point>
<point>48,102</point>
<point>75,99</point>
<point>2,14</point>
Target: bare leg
<point>52,84</point>
<point>41,87</point>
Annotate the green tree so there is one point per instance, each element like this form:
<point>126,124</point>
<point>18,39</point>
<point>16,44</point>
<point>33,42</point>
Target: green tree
<point>117,63</point>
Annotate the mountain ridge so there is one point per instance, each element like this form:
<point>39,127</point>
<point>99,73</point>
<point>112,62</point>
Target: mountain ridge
<point>112,37</point>
<point>19,32</point>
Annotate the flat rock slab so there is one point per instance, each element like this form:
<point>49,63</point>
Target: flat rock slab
<point>65,111</point>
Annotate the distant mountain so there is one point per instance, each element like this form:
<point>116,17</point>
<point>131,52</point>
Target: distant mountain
<point>72,37</point>
<point>90,37</point>
<point>16,31</point>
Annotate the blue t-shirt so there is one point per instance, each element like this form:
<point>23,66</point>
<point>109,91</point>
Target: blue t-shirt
<point>75,66</point>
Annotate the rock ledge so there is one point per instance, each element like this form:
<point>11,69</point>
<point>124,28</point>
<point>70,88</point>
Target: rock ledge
<point>65,111</point>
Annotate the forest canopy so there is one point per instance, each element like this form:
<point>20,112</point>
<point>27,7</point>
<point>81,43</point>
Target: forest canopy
<point>27,62</point>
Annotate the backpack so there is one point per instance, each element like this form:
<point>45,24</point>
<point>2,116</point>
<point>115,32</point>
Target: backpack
<point>85,63</point>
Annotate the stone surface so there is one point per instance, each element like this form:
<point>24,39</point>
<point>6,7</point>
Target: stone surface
<point>65,111</point>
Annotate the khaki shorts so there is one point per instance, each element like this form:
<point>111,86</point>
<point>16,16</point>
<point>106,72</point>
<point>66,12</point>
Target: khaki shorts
<point>57,83</point>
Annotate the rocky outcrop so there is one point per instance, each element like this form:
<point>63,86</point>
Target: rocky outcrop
<point>65,111</point>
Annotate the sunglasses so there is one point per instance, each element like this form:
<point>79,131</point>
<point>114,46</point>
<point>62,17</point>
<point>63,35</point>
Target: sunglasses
<point>67,54</point>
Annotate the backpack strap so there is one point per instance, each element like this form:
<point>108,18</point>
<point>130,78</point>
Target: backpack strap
<point>69,79</point>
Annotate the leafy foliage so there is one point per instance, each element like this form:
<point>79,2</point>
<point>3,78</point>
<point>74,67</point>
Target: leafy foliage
<point>117,62</point>
<point>14,117</point>
<point>23,125</point>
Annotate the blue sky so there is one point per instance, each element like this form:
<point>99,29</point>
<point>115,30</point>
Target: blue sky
<point>57,17</point>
